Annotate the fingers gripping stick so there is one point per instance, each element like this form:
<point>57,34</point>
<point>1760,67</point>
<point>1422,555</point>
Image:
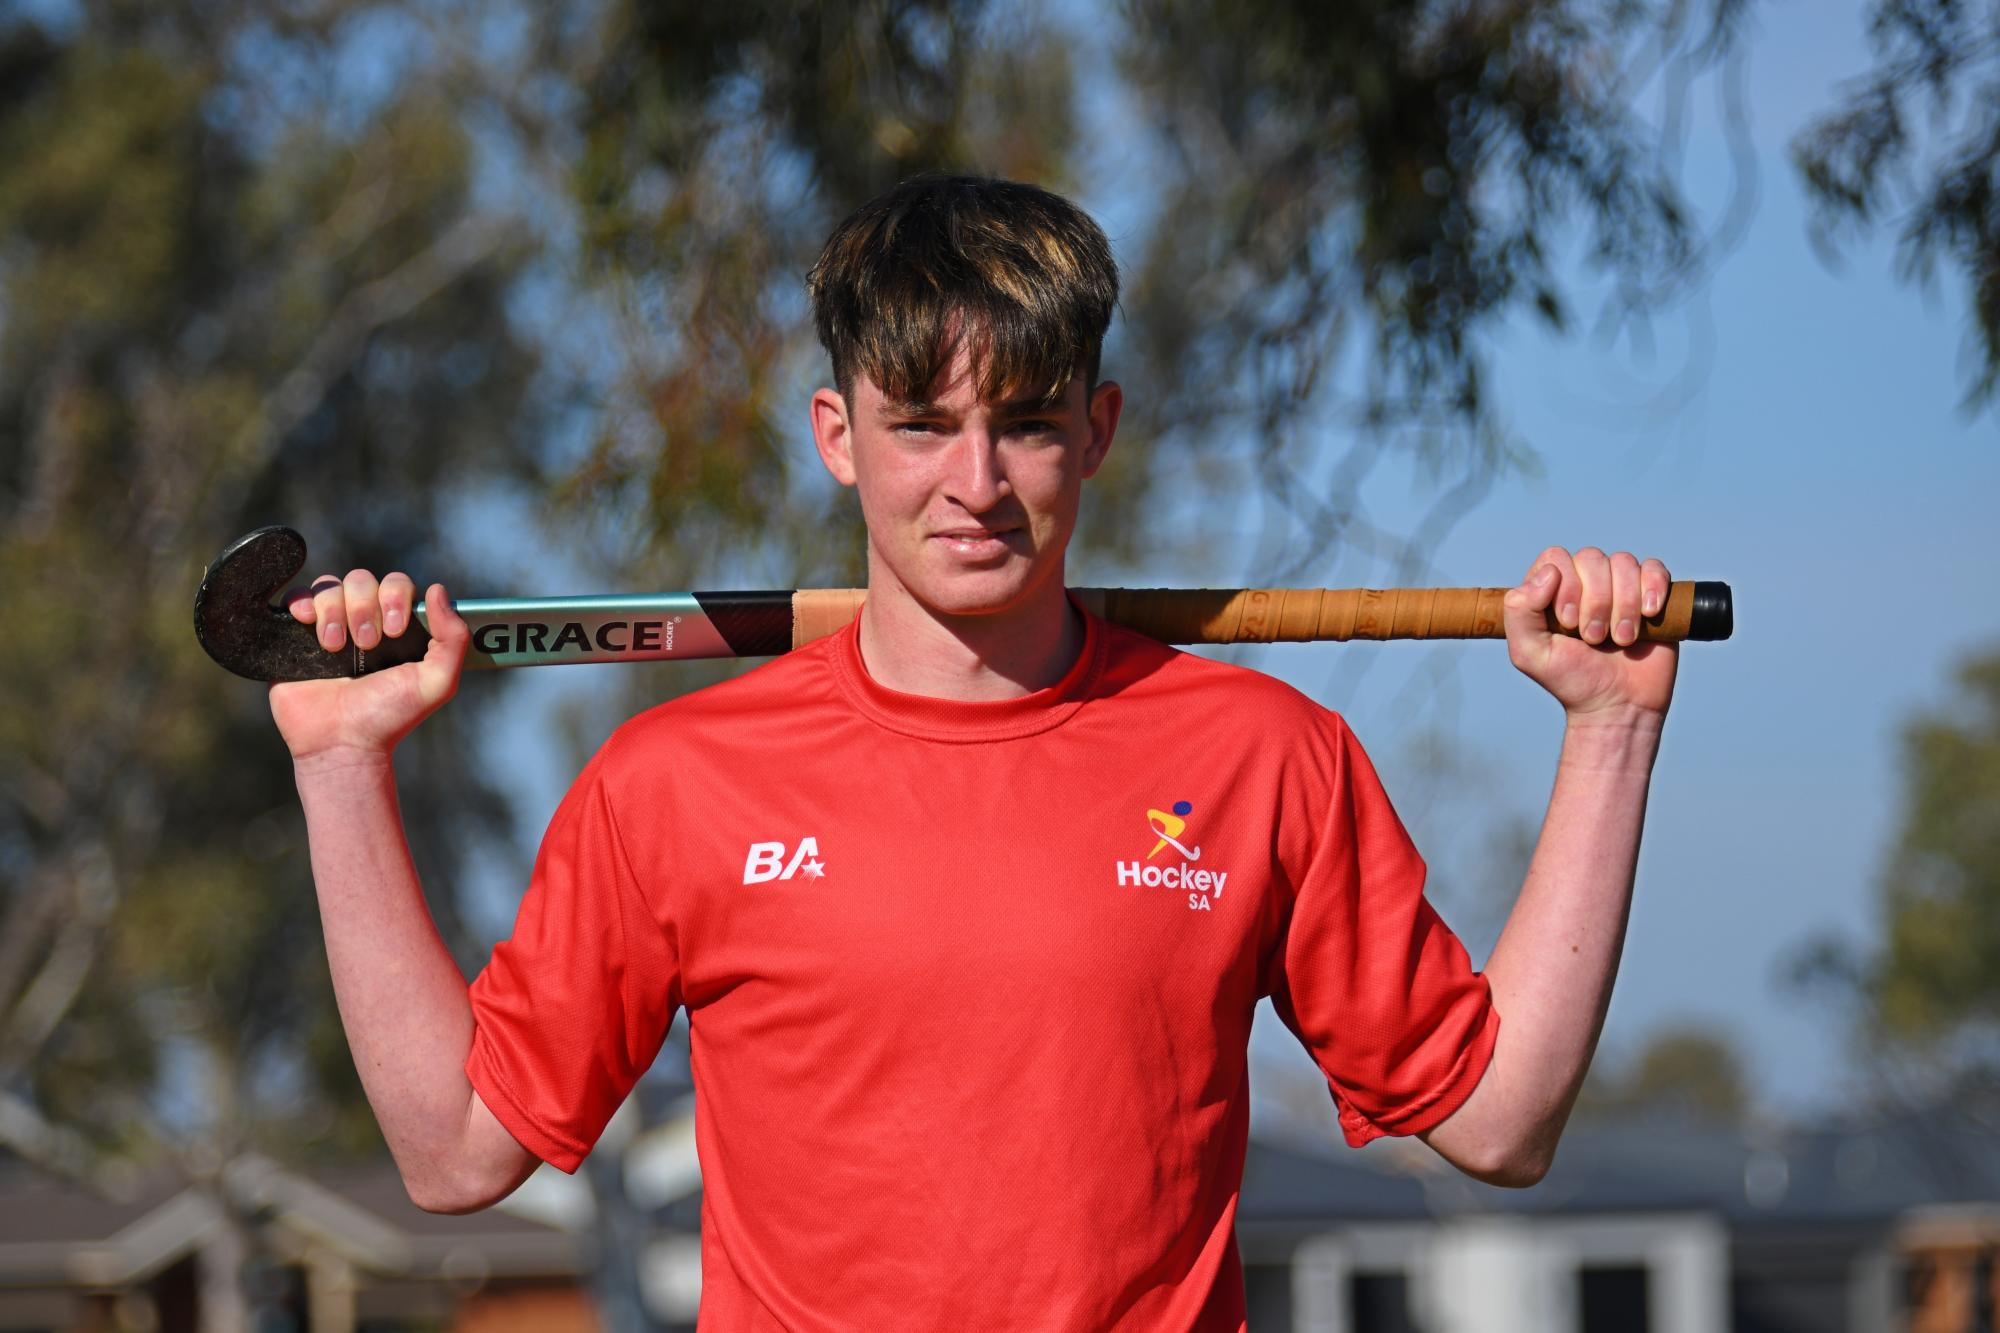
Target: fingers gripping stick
<point>240,627</point>
<point>238,623</point>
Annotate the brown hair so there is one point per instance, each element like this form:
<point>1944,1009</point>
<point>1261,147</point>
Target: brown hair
<point>1023,273</point>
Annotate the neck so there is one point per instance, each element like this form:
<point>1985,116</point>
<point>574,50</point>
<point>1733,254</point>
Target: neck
<point>916,649</point>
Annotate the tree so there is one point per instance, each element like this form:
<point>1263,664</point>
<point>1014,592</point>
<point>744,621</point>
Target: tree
<point>1915,143</point>
<point>233,291</point>
<point>1941,893</point>
<point>1389,181</point>
<point>1355,197</point>
<point>1924,1001</point>
<point>1684,1072</point>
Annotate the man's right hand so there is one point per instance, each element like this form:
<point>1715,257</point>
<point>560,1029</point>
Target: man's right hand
<point>368,715</point>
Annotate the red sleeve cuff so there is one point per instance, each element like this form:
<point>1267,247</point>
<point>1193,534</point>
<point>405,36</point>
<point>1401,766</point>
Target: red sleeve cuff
<point>1436,1106</point>
<point>558,1150</point>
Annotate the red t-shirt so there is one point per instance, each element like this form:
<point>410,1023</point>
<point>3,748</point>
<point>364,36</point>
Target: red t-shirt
<point>970,986</point>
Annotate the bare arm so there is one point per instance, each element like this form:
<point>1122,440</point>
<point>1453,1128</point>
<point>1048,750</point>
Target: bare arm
<point>1552,971</point>
<point>402,998</point>
<point>403,1001</point>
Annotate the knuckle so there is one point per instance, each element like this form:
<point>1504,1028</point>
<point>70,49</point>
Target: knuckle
<point>359,579</point>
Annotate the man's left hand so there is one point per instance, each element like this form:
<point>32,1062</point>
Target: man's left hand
<point>1604,673</point>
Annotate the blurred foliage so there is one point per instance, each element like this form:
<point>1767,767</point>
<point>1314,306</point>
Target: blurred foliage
<point>1336,205</point>
<point>1922,995</point>
<point>1687,1073</point>
<point>1915,142</point>
<point>1926,999</point>
<point>230,293</point>
<point>1356,197</point>
<point>720,144</point>
<point>1941,891</point>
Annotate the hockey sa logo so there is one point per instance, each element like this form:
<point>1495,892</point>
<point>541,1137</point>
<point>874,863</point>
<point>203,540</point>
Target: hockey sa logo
<point>1202,886</point>
<point>768,861</point>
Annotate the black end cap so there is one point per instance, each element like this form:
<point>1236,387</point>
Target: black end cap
<point>1713,615</point>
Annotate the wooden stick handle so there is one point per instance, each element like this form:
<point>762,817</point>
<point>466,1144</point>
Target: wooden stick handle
<point>1694,610</point>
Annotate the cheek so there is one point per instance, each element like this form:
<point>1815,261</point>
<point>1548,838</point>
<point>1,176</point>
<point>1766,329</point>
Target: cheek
<point>1050,491</point>
<point>891,493</point>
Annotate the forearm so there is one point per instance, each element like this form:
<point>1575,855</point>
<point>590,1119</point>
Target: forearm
<point>1552,971</point>
<point>403,1001</point>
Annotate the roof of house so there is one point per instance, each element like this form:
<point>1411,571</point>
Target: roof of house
<point>1833,1173</point>
<point>1855,1174</point>
<point>52,1231</point>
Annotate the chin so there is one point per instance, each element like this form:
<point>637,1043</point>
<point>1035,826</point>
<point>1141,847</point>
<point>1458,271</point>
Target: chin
<point>973,592</point>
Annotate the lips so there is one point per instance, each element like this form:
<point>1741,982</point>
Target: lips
<point>976,542</point>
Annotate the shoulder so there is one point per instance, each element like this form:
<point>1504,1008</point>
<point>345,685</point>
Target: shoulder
<point>1164,676</point>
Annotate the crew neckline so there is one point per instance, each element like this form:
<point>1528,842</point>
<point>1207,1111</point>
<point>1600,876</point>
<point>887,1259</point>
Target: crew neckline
<point>959,720</point>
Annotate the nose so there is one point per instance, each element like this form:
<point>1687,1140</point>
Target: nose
<point>977,478</point>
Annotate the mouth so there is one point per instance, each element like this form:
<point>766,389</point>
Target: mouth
<point>975,543</point>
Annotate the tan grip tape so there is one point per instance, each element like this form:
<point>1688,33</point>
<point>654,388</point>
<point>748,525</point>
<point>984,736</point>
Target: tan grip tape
<point>818,612</point>
<point>1671,624</point>
<point>1304,615</point>
<point>1277,615</point>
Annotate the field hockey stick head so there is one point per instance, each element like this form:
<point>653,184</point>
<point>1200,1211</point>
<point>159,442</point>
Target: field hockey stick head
<point>239,625</point>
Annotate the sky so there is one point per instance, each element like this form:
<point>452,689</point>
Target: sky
<point>1823,468</point>
<point>1820,464</point>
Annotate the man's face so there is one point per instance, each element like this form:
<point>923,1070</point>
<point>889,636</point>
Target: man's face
<point>969,504</point>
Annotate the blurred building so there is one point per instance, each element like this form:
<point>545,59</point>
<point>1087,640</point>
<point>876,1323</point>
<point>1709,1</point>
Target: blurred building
<point>1638,1229</point>
<point>347,1251</point>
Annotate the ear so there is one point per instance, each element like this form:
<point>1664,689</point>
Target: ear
<point>832,434</point>
<point>1107,400</point>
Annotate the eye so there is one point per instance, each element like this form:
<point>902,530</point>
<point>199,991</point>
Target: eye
<point>1036,426</point>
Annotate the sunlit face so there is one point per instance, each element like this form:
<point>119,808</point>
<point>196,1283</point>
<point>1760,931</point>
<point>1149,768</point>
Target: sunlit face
<point>969,504</point>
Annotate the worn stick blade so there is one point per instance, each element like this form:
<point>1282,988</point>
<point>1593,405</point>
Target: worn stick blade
<point>242,629</point>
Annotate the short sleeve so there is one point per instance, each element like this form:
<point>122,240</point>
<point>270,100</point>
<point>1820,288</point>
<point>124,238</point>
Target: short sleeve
<point>571,1010</point>
<point>1368,975</point>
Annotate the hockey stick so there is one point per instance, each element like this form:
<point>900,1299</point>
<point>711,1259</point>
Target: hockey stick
<point>237,622</point>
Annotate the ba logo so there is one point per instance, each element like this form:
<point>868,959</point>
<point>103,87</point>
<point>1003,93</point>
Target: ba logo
<point>767,861</point>
<point>1170,829</point>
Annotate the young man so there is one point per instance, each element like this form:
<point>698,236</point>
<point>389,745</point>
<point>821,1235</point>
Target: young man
<point>970,904</point>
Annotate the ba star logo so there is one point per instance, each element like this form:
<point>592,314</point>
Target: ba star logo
<point>1170,829</point>
<point>767,861</point>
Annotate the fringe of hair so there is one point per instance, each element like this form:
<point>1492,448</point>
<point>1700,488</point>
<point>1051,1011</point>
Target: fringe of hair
<point>1021,276</point>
